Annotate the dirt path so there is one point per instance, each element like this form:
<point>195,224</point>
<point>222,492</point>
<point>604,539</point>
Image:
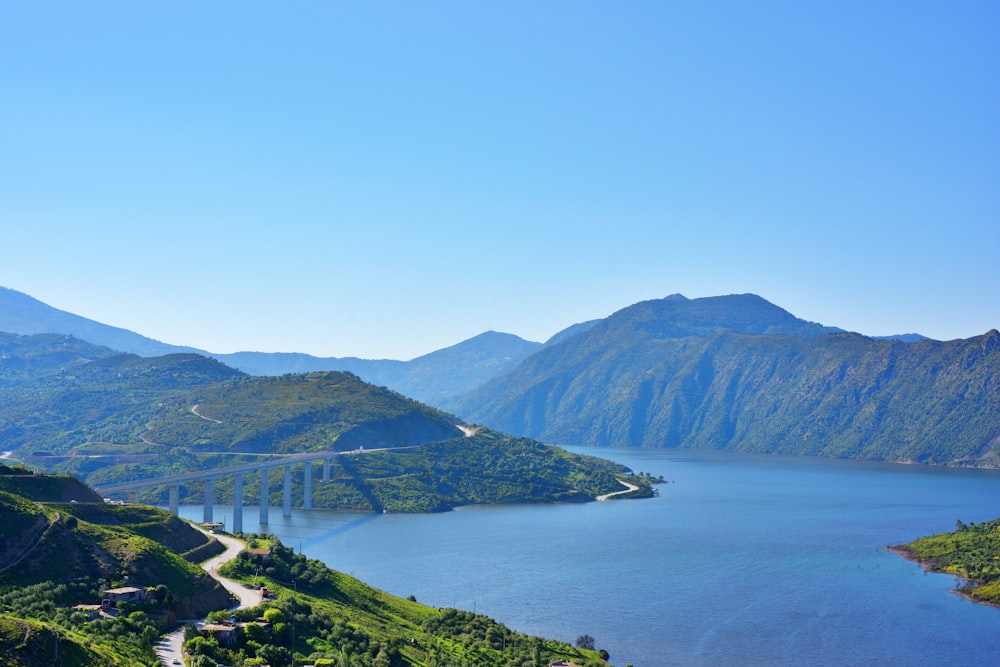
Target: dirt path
<point>194,411</point>
<point>35,541</point>
<point>628,489</point>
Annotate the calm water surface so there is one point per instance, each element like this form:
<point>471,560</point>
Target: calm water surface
<point>742,560</point>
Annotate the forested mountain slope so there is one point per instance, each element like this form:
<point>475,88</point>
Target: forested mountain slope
<point>109,417</point>
<point>739,373</point>
<point>437,378</point>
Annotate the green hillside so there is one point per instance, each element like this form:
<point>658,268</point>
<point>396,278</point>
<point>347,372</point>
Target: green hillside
<point>45,488</point>
<point>339,620</point>
<point>104,400</point>
<point>294,413</point>
<point>118,417</point>
<point>31,643</point>
<point>56,556</point>
<point>734,373</point>
<point>488,468</point>
<point>98,543</point>
<point>28,358</point>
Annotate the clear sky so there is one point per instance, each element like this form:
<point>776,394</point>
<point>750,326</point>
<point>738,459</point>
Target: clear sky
<point>383,179</point>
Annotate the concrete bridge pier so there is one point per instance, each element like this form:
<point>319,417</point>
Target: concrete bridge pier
<point>173,502</point>
<point>307,486</point>
<point>263,496</point>
<point>238,504</point>
<point>286,504</point>
<point>133,497</point>
<point>326,470</point>
<point>207,513</point>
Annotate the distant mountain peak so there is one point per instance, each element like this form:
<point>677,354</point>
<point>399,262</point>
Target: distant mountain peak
<point>23,314</point>
<point>676,316</point>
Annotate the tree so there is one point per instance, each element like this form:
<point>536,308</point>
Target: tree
<point>585,641</point>
<point>276,656</point>
<point>201,646</point>
<point>190,632</point>
<point>274,615</point>
<point>255,632</point>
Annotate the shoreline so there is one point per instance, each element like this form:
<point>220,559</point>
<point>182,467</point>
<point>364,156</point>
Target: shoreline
<point>930,565</point>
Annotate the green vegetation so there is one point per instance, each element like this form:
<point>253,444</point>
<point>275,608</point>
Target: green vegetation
<point>739,373</point>
<point>116,418</point>
<point>971,552</point>
<point>488,468</point>
<point>39,627</point>
<point>29,643</point>
<point>54,556</point>
<point>328,618</point>
<point>53,543</point>
<point>56,561</point>
<point>45,488</point>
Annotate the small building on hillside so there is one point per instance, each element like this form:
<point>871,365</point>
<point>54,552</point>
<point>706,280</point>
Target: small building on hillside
<point>126,594</point>
<point>224,633</point>
<point>91,610</point>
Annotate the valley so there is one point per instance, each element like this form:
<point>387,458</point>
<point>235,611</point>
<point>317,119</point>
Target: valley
<point>686,380</point>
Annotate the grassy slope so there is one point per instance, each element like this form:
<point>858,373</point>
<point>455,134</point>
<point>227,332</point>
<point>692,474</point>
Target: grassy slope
<point>71,552</point>
<point>334,611</point>
<point>29,643</point>
<point>75,549</point>
<point>102,543</point>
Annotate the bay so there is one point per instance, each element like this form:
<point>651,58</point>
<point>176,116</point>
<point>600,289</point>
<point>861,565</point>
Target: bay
<point>741,560</point>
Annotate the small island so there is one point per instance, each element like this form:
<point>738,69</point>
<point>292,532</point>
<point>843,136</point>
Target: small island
<point>971,551</point>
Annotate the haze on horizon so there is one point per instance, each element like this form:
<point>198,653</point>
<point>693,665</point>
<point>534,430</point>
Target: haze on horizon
<point>386,180</point>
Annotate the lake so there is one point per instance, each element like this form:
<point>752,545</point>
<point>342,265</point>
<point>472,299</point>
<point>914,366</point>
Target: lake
<point>741,560</point>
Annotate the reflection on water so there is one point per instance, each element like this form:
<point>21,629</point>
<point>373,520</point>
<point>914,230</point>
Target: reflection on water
<point>742,560</point>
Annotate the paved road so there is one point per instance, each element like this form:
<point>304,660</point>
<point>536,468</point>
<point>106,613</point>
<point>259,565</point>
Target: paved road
<point>248,597</point>
<point>169,648</point>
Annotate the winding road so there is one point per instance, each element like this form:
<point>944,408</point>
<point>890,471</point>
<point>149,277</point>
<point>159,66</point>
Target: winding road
<point>628,489</point>
<point>169,648</point>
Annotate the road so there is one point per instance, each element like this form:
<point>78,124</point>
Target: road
<point>169,648</point>
<point>629,488</point>
<point>248,597</point>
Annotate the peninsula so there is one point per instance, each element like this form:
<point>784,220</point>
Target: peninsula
<point>970,552</point>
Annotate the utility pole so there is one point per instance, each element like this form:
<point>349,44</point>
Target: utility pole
<point>295,592</point>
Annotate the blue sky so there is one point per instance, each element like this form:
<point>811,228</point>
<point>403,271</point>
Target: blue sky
<point>386,179</point>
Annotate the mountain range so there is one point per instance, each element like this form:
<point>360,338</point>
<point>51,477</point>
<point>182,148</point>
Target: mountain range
<point>737,372</point>
<point>727,372</point>
<point>438,378</point>
<point>73,407</point>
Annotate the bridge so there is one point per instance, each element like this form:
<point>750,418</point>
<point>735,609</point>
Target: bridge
<point>173,482</point>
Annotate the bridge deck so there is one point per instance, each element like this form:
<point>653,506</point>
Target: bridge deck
<point>272,462</point>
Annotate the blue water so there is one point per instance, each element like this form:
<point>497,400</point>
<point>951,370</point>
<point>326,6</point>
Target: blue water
<point>742,560</point>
